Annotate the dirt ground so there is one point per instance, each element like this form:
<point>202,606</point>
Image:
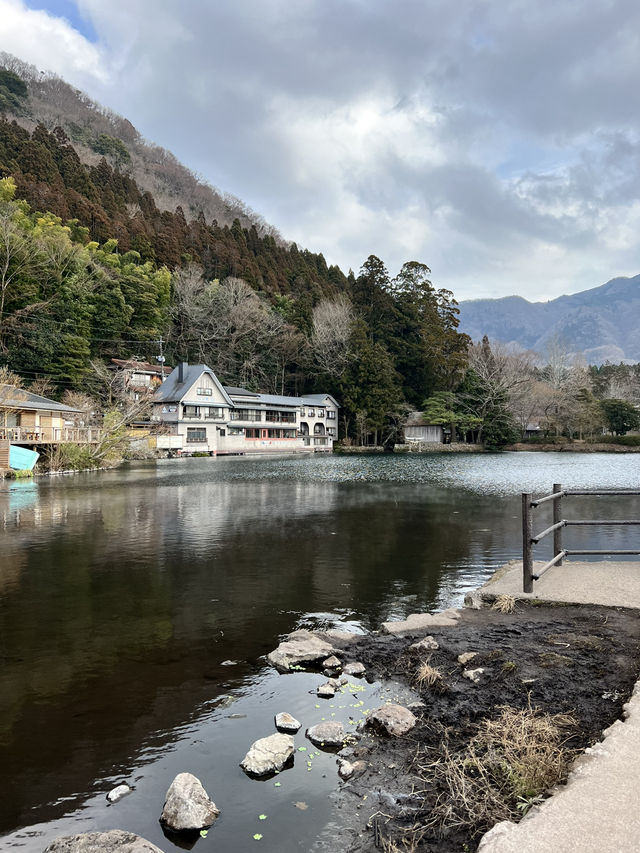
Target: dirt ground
<point>428,790</point>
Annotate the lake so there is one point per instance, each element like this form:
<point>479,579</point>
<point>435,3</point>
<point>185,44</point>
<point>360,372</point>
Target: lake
<point>136,606</point>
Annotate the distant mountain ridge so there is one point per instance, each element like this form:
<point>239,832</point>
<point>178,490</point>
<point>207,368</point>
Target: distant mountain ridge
<point>603,323</point>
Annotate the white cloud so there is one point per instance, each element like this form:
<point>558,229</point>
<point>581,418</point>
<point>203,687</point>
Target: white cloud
<point>50,43</point>
<point>494,142</point>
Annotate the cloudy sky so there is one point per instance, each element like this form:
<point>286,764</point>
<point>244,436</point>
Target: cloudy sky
<point>495,140</point>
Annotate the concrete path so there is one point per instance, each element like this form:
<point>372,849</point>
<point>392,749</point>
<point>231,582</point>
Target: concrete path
<point>598,811</point>
<point>611,583</point>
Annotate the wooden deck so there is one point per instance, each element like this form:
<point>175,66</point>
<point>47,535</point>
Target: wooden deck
<point>50,435</point>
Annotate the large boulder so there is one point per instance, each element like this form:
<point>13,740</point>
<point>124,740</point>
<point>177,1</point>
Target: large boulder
<point>394,720</point>
<point>187,807</point>
<point>114,841</point>
<point>299,649</point>
<point>330,734</point>
<point>268,755</point>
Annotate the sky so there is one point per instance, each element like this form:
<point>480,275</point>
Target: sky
<point>496,141</point>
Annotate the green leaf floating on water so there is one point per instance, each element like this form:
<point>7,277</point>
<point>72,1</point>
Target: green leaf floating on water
<point>277,784</point>
<point>302,749</point>
<point>262,817</point>
<point>257,836</point>
<point>204,833</point>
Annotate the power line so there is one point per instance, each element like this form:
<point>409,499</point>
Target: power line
<point>22,332</point>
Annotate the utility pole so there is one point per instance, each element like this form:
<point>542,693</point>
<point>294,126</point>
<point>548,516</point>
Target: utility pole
<point>160,358</point>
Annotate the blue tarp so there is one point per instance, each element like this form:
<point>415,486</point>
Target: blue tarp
<point>21,458</point>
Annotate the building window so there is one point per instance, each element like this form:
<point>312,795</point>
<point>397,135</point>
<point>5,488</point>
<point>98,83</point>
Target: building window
<point>235,431</point>
<point>331,415</point>
<point>214,412</point>
<point>205,392</point>
<point>191,411</point>
<point>251,433</point>
<point>331,431</point>
<point>280,417</point>
<point>311,413</point>
<point>302,414</point>
<point>222,432</point>
<point>320,413</point>
<point>254,415</point>
<point>195,435</point>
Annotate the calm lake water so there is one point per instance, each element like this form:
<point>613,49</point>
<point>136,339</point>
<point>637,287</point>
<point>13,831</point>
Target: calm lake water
<point>136,606</point>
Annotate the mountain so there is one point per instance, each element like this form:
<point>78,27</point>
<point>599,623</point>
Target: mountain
<point>96,132</point>
<point>602,323</point>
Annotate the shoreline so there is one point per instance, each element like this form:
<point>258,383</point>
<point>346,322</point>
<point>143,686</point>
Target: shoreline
<point>538,661</point>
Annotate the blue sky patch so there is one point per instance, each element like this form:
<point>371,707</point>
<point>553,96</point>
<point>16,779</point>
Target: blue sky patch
<point>68,10</point>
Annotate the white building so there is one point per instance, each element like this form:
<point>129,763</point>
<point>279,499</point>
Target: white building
<point>201,415</point>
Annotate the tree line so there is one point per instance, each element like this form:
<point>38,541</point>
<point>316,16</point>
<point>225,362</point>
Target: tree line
<point>69,303</point>
<point>509,395</point>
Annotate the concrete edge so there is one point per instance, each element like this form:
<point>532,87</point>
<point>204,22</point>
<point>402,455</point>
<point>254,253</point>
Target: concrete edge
<point>587,761</point>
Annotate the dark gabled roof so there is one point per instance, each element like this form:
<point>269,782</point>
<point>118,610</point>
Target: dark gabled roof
<point>233,391</point>
<point>19,398</point>
<point>172,390</point>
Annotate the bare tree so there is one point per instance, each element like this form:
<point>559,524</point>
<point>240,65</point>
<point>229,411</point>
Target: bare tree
<point>234,330</point>
<point>331,336</point>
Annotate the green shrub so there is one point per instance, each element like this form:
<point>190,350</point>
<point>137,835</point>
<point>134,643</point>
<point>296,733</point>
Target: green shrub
<point>625,440</point>
<point>70,457</point>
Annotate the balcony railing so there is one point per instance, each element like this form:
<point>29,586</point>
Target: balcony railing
<point>51,435</point>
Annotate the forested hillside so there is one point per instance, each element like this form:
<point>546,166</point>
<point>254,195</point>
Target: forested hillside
<point>97,132</point>
<point>92,268</point>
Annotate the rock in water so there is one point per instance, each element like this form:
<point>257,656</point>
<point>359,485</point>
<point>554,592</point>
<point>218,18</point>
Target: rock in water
<point>394,720</point>
<point>300,648</point>
<point>356,668</point>
<point>187,806</point>
<point>286,723</point>
<point>114,841</point>
<point>268,755</point>
<point>327,734</point>
<point>326,691</point>
<point>118,792</point>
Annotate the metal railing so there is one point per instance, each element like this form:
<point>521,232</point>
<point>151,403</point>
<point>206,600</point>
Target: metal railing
<point>559,523</point>
<point>51,435</point>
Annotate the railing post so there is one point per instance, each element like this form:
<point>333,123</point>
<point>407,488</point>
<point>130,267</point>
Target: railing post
<point>557,517</point>
<point>527,551</point>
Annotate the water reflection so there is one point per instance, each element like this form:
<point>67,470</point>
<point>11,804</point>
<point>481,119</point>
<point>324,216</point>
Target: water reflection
<point>121,593</point>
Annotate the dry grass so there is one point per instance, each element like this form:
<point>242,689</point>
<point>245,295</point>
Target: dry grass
<point>428,676</point>
<point>512,759</point>
<point>504,603</point>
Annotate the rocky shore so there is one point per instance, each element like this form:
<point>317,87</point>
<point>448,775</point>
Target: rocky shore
<point>486,711</point>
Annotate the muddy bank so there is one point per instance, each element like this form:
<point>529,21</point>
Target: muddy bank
<point>445,783</point>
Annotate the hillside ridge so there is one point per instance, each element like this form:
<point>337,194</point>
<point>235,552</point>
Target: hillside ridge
<point>601,322</point>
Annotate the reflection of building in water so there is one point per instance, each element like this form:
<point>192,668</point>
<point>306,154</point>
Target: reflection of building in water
<point>202,416</point>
